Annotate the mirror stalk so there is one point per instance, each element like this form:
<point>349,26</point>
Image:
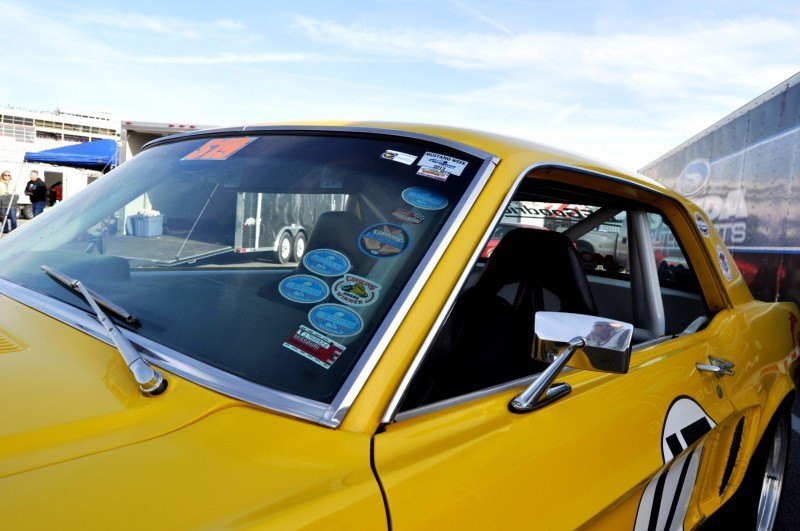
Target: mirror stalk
<point>542,391</point>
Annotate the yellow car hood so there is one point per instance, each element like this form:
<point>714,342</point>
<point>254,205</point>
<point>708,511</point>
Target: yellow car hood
<point>79,444</point>
<point>66,394</point>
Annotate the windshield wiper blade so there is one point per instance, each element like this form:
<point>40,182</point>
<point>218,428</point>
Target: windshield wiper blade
<point>150,381</point>
<point>99,299</point>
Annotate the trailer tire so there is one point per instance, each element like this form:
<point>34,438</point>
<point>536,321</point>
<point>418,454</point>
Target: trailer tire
<point>27,211</point>
<point>284,251</point>
<point>299,248</point>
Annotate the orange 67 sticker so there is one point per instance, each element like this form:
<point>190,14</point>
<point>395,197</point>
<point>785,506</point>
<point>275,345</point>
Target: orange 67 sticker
<point>219,148</point>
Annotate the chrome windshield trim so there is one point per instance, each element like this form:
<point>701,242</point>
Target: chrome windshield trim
<point>463,399</point>
<point>384,334</point>
<point>168,359</point>
<point>390,414</point>
<point>330,415</point>
<point>466,148</point>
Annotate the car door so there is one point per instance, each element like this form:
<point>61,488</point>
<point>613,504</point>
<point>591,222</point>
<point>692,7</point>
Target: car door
<point>619,451</point>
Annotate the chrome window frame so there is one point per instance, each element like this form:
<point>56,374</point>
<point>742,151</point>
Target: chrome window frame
<point>329,415</point>
<point>391,413</point>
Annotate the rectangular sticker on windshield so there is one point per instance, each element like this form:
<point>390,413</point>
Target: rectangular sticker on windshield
<point>399,156</point>
<point>219,148</point>
<point>314,346</point>
<point>442,163</point>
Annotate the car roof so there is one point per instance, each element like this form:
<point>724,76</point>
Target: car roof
<point>502,146</point>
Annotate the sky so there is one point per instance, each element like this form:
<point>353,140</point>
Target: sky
<point>620,81</point>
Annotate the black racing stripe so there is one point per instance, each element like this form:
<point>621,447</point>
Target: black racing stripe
<point>695,430</point>
<point>678,489</point>
<point>674,445</point>
<point>657,501</point>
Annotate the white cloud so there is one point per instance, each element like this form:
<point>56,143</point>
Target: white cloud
<point>229,24</point>
<point>170,26</point>
<point>137,21</point>
<point>736,53</point>
<point>477,14</point>
<point>625,96</point>
<point>229,58</point>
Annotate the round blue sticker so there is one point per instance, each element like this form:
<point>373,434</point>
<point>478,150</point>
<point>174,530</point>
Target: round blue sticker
<point>423,198</point>
<point>326,262</point>
<point>335,320</point>
<point>303,288</point>
<point>383,240</point>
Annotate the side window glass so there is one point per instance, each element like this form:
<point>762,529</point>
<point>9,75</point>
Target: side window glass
<point>673,267</point>
<point>680,289</point>
<point>564,257</point>
<point>605,247</point>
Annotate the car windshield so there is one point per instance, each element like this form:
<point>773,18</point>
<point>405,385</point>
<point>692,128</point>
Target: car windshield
<point>274,257</point>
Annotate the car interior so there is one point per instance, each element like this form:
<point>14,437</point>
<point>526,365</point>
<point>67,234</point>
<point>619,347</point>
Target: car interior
<point>581,252</point>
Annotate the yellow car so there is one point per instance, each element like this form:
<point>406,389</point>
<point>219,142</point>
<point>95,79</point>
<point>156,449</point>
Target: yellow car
<point>162,367</point>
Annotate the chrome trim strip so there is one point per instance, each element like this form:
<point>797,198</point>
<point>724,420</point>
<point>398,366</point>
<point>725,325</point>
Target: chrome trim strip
<point>466,148</point>
<point>391,410</point>
<point>230,385</point>
<point>463,399</point>
<point>401,390</point>
<point>168,359</point>
<point>385,333</point>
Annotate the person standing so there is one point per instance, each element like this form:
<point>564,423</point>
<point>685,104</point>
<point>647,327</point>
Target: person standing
<point>37,191</point>
<point>8,202</point>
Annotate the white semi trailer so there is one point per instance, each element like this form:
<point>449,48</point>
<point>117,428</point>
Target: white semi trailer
<point>744,171</point>
<point>277,223</point>
<point>134,135</point>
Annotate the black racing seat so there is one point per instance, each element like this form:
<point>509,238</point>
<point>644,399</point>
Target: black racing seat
<point>334,230</point>
<point>339,231</point>
<point>488,336</point>
<point>540,261</point>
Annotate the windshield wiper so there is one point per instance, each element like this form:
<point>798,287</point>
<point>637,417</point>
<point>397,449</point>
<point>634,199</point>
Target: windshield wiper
<point>150,381</point>
<point>99,299</point>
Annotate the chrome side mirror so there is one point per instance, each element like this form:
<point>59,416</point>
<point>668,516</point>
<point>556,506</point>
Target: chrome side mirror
<point>574,340</point>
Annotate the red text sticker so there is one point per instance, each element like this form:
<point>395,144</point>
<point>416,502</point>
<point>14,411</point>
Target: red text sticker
<point>314,346</point>
<point>219,148</point>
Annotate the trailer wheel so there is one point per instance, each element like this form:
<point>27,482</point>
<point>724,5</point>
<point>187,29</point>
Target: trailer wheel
<point>27,211</point>
<point>299,246</point>
<point>284,252</point>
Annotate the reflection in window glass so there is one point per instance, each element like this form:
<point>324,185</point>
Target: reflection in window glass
<point>272,257</point>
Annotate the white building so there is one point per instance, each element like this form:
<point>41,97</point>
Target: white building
<point>22,130</point>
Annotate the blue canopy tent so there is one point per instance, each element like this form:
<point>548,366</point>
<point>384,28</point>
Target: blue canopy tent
<point>100,155</point>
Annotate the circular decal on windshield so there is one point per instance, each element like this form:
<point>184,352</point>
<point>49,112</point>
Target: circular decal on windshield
<point>724,265</point>
<point>303,288</point>
<point>423,198</point>
<point>383,240</point>
<point>701,224</point>
<point>354,290</point>
<point>336,320</point>
<point>326,262</point>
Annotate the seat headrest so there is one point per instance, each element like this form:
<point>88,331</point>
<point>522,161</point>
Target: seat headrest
<point>339,231</point>
<point>540,258</point>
